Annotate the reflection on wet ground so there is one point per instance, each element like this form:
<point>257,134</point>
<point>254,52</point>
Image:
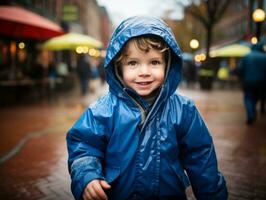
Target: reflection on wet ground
<point>33,149</point>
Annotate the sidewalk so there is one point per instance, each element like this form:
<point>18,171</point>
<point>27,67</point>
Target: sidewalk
<point>33,150</point>
<point>241,149</point>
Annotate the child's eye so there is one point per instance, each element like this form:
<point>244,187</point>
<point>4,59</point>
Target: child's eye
<point>132,63</point>
<point>155,62</point>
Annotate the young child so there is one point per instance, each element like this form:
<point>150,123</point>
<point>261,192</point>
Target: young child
<point>142,140</point>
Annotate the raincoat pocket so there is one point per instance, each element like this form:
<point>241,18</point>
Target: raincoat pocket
<point>111,173</point>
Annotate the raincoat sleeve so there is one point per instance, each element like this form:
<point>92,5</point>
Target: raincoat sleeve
<point>199,158</point>
<point>86,143</point>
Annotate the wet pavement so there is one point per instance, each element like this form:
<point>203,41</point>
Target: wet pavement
<point>33,149</point>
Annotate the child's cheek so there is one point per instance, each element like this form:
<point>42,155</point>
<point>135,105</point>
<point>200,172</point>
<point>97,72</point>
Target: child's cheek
<point>128,76</point>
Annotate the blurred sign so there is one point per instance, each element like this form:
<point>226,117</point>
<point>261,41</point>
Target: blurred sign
<point>70,13</point>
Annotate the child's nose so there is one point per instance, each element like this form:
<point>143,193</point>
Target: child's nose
<point>144,70</point>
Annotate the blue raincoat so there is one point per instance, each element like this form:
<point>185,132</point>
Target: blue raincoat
<point>143,152</point>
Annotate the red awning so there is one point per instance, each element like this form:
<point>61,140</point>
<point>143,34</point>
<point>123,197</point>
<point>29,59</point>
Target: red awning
<point>20,23</point>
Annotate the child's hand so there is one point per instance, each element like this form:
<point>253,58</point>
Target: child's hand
<point>95,190</point>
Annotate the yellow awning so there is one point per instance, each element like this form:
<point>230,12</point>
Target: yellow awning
<point>233,50</point>
<point>71,41</point>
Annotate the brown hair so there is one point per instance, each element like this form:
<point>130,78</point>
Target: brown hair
<point>143,43</point>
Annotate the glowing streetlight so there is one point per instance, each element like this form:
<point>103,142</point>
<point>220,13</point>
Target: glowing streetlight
<point>258,17</point>
<point>21,45</point>
<point>200,57</point>
<point>254,40</point>
<point>194,44</point>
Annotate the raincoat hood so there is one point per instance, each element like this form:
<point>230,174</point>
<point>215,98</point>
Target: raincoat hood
<point>134,27</point>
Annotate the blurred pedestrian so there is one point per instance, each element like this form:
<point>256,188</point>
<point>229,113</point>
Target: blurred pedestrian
<point>62,70</point>
<point>136,141</point>
<point>84,72</point>
<point>52,75</point>
<point>252,71</point>
<point>101,69</point>
<point>189,72</point>
<point>223,73</point>
<point>24,68</point>
<point>95,80</point>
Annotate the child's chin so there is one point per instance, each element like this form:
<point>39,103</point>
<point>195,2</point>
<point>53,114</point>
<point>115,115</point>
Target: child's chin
<point>144,94</point>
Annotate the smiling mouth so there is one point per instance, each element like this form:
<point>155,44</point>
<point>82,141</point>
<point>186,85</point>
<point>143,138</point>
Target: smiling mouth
<point>144,83</point>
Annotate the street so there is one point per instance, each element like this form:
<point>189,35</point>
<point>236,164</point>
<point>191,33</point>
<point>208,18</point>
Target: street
<point>33,151</point>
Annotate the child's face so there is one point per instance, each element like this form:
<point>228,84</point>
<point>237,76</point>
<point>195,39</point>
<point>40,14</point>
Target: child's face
<point>143,71</point>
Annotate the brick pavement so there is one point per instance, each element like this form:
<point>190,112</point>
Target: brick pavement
<point>37,169</point>
<point>241,149</point>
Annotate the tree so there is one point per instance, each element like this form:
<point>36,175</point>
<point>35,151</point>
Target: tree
<point>208,13</point>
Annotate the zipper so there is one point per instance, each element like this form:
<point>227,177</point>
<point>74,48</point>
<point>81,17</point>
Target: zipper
<point>142,110</point>
<point>144,114</point>
<point>153,107</point>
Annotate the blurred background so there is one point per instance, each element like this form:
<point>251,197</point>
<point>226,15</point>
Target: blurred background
<point>51,68</point>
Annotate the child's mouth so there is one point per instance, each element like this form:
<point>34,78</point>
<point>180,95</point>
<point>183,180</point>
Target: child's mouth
<point>144,83</point>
